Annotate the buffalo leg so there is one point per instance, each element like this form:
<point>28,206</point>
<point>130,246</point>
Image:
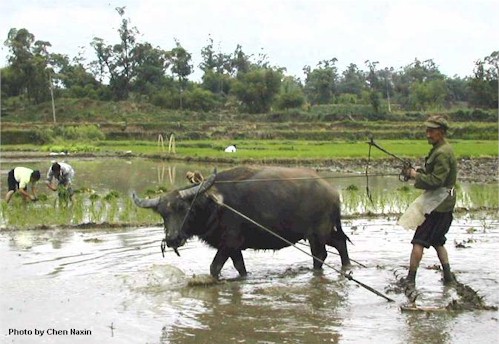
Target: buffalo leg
<point>218,263</point>
<point>318,250</point>
<point>343,251</point>
<point>237,259</point>
<point>341,246</point>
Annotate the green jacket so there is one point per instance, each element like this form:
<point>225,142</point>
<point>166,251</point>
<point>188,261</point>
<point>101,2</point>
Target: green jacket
<point>440,170</point>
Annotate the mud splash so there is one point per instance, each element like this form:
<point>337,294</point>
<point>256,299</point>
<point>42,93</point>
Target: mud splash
<point>465,299</point>
<point>469,300</point>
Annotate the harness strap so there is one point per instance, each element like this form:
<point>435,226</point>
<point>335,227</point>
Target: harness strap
<point>348,276</point>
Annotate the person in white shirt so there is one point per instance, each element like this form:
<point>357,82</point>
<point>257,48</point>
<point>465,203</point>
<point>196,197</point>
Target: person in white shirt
<point>63,173</point>
<point>231,149</point>
<point>20,178</point>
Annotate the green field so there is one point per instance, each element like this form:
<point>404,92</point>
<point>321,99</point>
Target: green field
<point>292,149</point>
<point>262,150</point>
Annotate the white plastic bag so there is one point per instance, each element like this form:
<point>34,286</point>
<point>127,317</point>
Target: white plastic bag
<point>424,204</point>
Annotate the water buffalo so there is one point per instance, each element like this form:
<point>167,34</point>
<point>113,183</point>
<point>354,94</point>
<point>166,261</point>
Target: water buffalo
<point>294,203</point>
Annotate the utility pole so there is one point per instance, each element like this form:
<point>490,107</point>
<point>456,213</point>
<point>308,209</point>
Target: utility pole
<point>52,96</point>
<point>388,98</point>
<point>388,84</point>
<point>0,100</point>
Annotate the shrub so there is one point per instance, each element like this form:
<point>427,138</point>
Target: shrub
<point>79,133</point>
<point>290,100</point>
<point>44,136</point>
<point>200,100</point>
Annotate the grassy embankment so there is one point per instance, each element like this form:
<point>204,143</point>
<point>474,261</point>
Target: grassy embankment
<point>267,151</point>
<point>258,138</point>
<point>323,132</point>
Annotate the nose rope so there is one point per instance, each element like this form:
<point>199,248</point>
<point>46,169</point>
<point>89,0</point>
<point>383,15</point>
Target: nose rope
<point>348,276</point>
<point>163,242</point>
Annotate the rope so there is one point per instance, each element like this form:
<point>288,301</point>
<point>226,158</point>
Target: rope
<point>163,242</point>
<point>301,178</point>
<point>355,261</point>
<point>368,192</point>
<point>348,276</point>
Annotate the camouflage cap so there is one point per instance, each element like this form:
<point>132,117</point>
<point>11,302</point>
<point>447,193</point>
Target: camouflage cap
<point>437,122</point>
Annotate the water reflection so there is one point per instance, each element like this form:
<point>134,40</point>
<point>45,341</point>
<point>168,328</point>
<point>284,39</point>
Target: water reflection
<point>170,172</point>
<point>434,327</point>
<point>117,174</point>
<point>260,312</point>
<point>273,305</point>
<point>95,278</point>
<point>123,175</point>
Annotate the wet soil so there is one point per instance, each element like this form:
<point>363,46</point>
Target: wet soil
<point>466,298</point>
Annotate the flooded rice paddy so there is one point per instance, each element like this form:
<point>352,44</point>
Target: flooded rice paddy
<point>103,188</point>
<point>68,285</point>
<point>116,286</point>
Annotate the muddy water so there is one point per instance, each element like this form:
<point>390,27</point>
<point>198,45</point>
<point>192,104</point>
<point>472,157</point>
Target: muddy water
<point>126,175</point>
<point>115,287</point>
<point>117,174</point>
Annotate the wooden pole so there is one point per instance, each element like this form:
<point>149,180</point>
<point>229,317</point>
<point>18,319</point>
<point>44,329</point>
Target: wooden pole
<point>52,96</point>
<point>161,142</point>
<point>171,144</point>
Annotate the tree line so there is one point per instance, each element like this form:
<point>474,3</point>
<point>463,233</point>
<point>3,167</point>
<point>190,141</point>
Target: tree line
<point>235,81</point>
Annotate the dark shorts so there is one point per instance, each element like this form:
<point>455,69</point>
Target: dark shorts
<point>63,180</point>
<point>11,180</point>
<point>432,231</point>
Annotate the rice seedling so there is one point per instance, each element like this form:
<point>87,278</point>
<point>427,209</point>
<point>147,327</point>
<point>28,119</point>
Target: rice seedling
<point>88,206</point>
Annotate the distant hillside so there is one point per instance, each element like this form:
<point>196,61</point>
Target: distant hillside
<point>129,120</point>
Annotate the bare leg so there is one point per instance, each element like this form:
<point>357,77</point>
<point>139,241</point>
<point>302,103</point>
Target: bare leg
<point>444,260</point>
<point>8,196</point>
<point>416,256</point>
<point>442,255</point>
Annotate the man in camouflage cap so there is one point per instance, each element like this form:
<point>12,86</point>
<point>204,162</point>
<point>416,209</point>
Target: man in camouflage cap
<point>437,122</point>
<point>438,176</point>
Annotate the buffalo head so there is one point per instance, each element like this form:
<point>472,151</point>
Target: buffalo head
<point>174,207</point>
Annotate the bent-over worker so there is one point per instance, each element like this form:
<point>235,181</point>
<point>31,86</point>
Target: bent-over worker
<point>62,174</point>
<point>19,178</point>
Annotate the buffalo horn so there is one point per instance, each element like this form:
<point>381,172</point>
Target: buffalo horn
<point>144,202</point>
<point>198,189</point>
